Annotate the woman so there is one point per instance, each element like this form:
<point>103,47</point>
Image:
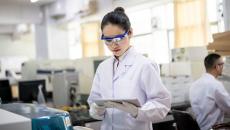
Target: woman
<point>126,75</point>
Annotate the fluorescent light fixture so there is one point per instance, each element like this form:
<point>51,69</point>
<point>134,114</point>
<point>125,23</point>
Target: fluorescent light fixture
<point>21,28</point>
<point>33,1</point>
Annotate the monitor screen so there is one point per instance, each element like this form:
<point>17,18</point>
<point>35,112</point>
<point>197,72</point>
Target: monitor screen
<point>28,90</point>
<point>5,91</point>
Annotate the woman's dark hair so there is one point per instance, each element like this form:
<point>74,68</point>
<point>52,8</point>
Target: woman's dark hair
<point>210,60</point>
<point>117,17</point>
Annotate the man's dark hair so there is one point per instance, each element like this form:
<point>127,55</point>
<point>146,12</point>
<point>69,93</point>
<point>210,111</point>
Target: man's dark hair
<point>210,60</point>
<point>117,17</point>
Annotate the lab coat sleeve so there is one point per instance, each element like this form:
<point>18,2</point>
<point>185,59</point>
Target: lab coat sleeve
<point>95,94</point>
<point>158,101</point>
<point>156,67</point>
<point>222,98</point>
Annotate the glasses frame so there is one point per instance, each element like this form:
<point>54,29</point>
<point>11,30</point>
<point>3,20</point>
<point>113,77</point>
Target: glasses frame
<point>220,64</point>
<point>116,39</point>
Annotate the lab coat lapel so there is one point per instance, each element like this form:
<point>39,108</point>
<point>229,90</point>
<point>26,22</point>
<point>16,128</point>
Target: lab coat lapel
<point>121,70</point>
<point>110,72</point>
<point>124,65</point>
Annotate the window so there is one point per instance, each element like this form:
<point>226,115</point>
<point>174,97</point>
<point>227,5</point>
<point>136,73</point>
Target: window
<point>75,48</point>
<point>151,31</point>
<point>140,21</point>
<point>215,16</point>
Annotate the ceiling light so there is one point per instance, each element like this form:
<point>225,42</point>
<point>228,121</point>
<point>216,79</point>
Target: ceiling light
<point>33,1</point>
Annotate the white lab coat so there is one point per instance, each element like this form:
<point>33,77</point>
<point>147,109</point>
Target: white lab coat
<point>209,100</point>
<point>136,77</point>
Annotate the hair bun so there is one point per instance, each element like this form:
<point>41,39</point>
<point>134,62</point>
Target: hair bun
<point>119,9</point>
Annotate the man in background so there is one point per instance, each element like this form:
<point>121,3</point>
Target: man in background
<point>208,97</point>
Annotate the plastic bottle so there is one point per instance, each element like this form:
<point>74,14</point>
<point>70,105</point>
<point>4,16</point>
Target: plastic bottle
<point>40,98</point>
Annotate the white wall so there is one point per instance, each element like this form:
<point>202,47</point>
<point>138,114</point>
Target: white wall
<point>227,14</point>
<point>58,43</point>
<point>14,52</point>
<point>22,47</point>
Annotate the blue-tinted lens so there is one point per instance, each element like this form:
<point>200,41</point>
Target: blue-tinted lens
<point>115,39</point>
<point>108,40</point>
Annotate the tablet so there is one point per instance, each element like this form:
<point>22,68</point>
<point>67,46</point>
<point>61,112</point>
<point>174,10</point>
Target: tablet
<point>100,102</point>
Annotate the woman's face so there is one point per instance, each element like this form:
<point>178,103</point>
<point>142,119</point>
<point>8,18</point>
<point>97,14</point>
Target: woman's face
<point>117,48</point>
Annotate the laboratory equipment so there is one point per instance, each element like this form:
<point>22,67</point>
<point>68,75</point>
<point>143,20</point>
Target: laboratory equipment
<point>21,116</point>
<point>5,91</point>
<point>28,90</point>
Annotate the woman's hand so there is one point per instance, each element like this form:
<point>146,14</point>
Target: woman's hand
<point>96,110</point>
<point>124,106</point>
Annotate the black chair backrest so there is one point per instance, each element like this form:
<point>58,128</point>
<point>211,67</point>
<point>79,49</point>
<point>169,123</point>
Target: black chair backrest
<point>221,126</point>
<point>5,91</point>
<point>184,120</point>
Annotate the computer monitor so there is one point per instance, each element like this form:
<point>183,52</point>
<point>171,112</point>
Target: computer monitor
<point>5,91</point>
<point>96,64</point>
<point>28,90</point>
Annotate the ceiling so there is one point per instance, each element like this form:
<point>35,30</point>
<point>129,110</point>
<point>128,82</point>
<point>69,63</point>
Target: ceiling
<point>18,9</point>
<point>26,2</point>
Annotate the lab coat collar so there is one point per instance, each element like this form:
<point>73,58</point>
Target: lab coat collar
<point>128,57</point>
<point>121,57</point>
<point>209,75</point>
<point>126,62</point>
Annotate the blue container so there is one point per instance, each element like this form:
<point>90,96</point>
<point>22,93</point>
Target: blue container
<point>42,117</point>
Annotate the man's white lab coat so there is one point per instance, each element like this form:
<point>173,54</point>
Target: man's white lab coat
<point>209,101</point>
<point>136,77</point>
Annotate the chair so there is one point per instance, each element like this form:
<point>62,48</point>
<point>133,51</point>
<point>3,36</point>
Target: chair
<point>184,120</point>
<point>5,91</point>
<point>225,126</point>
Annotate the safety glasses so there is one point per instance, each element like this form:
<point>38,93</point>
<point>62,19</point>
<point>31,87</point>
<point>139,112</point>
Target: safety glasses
<point>116,39</point>
<point>220,64</point>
